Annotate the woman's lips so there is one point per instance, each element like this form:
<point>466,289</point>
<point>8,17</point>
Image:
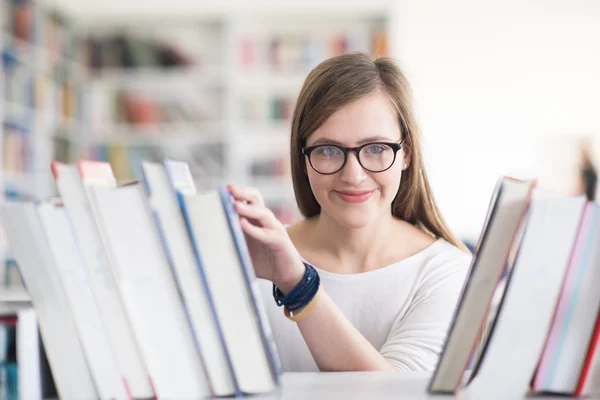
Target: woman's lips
<point>355,196</point>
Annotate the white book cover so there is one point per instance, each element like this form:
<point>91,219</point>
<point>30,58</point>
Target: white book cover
<point>28,355</point>
<point>507,211</point>
<point>532,291</point>
<point>92,333</point>
<point>231,293</point>
<point>101,279</point>
<point>57,326</point>
<point>163,201</point>
<point>150,293</point>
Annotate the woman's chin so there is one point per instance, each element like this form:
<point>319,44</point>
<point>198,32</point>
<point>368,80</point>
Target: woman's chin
<point>352,220</point>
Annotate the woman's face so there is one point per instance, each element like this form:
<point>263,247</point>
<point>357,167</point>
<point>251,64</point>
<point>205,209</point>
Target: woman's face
<point>355,197</point>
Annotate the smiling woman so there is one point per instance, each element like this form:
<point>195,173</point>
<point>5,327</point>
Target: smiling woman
<point>372,275</point>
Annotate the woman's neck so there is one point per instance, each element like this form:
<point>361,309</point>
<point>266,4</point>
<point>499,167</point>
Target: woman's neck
<point>353,250</point>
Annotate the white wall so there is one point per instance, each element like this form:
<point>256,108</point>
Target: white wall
<point>492,80</point>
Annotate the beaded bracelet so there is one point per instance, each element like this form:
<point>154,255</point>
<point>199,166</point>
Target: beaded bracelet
<point>302,293</point>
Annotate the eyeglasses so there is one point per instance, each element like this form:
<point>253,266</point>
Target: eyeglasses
<point>327,159</point>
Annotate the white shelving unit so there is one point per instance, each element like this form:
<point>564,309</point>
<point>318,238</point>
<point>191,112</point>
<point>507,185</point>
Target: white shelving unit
<point>251,66</point>
<point>34,72</point>
<point>31,100</point>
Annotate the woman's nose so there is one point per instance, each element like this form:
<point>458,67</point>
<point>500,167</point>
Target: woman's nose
<point>353,173</point>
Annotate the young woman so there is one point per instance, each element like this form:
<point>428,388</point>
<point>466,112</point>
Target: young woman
<point>374,272</point>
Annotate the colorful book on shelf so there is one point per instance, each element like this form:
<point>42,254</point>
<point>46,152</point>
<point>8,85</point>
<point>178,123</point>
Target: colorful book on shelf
<point>589,380</point>
<point>516,340</point>
<point>221,254</point>
<point>506,215</point>
<point>149,292</point>
<point>72,183</point>
<point>576,313</point>
<point>162,199</point>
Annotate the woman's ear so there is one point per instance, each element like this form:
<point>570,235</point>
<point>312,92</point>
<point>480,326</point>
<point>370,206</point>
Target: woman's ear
<point>406,157</point>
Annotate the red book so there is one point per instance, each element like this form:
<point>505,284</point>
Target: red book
<point>592,354</point>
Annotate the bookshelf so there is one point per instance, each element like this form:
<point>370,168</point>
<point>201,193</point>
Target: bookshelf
<point>40,96</point>
<point>215,88</point>
<point>40,89</point>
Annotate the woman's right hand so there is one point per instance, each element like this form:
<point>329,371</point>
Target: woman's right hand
<point>274,256</point>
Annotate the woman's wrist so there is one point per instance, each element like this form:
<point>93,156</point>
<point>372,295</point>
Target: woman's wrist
<point>291,279</point>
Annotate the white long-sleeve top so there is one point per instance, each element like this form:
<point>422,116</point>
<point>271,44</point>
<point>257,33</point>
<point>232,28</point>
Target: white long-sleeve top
<point>404,309</point>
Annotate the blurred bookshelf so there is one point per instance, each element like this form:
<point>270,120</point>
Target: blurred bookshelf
<point>216,90</point>
<point>41,88</point>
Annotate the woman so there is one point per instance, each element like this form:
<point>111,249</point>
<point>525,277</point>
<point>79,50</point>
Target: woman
<point>388,268</point>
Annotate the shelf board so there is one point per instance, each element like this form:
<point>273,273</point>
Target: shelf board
<point>14,295</point>
<point>34,55</point>
<point>159,11</point>
<point>266,129</point>
<point>20,50</point>
<point>270,80</point>
<point>163,134</point>
<point>160,77</point>
<point>29,184</point>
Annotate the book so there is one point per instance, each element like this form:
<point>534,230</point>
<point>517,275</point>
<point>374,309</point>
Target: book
<point>28,355</point>
<point>246,262</point>
<point>230,278</point>
<point>149,291</point>
<point>57,327</point>
<point>533,285</point>
<point>98,351</point>
<point>73,192</point>
<point>576,313</point>
<point>589,380</point>
<point>506,214</point>
<point>162,199</point>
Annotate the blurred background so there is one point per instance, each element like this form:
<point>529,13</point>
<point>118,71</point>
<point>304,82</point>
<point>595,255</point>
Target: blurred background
<point>501,88</point>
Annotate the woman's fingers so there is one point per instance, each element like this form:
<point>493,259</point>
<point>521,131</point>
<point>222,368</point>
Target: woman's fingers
<point>248,194</point>
<point>262,215</point>
<point>253,231</point>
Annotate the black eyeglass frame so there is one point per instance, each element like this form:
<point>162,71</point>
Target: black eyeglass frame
<point>396,147</point>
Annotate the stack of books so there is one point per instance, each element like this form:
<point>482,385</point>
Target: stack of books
<point>144,290</point>
<point>541,250</point>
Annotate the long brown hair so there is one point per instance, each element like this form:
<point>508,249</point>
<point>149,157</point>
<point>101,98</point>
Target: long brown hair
<point>342,80</point>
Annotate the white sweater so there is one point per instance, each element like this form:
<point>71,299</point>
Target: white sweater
<point>404,309</point>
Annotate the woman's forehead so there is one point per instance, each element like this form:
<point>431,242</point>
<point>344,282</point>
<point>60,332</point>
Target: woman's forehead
<point>368,117</point>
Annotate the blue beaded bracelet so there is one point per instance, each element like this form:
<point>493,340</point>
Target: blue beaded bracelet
<point>302,293</point>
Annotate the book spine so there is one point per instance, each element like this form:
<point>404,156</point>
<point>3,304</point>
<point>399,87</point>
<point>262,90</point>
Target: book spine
<point>593,349</point>
<point>249,274</point>
<point>168,253</point>
<point>197,256</point>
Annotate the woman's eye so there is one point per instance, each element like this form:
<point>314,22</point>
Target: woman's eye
<point>328,151</point>
<point>375,149</point>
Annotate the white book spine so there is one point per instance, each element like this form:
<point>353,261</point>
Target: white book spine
<point>103,283</point>
<point>28,356</point>
<point>163,202</point>
<point>92,334</point>
<point>231,294</point>
<point>150,293</point>
<point>65,356</point>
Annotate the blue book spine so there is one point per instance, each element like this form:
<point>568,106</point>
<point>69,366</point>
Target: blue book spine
<point>187,218</point>
<point>246,262</point>
<point>169,254</point>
